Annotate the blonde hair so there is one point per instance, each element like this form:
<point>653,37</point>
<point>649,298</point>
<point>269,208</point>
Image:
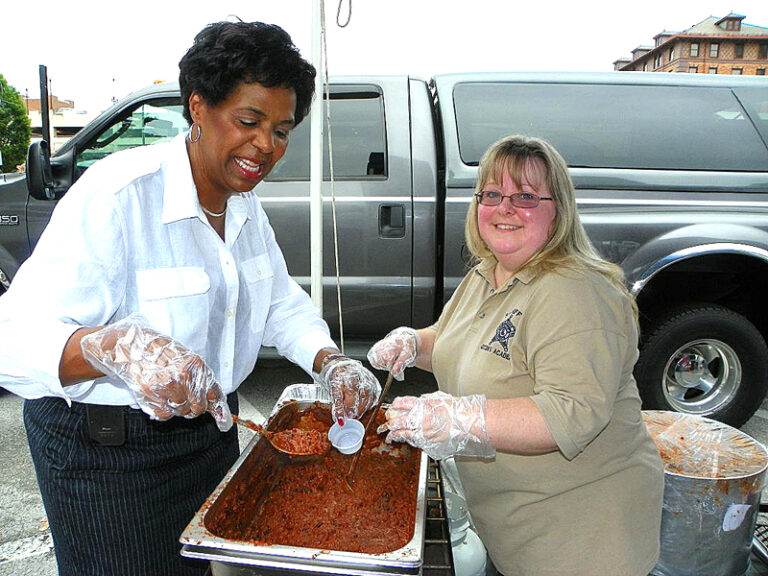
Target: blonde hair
<point>568,245</point>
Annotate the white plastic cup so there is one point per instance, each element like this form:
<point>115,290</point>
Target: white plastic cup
<point>347,439</point>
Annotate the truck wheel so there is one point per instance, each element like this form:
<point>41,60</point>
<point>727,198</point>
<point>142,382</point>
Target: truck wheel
<point>705,360</point>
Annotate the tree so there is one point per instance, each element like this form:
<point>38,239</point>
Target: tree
<point>15,129</point>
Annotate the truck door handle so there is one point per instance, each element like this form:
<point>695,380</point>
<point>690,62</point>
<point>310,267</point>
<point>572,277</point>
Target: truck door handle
<point>391,220</point>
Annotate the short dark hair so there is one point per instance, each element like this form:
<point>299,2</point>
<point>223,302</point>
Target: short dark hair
<point>227,54</point>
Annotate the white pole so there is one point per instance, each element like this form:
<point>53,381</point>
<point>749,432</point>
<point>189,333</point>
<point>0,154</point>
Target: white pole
<point>316,163</point>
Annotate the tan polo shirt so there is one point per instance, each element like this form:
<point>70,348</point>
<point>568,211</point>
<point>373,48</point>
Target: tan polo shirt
<point>568,340</point>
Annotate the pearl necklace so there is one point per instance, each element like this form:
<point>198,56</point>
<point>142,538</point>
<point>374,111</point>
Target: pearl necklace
<point>214,214</point>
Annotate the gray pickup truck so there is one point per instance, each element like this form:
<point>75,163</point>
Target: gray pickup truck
<point>671,172</point>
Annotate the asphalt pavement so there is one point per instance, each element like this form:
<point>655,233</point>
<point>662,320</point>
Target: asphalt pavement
<point>26,548</point>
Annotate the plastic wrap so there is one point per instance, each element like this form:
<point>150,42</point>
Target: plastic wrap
<point>166,378</point>
<point>352,387</point>
<point>713,478</point>
<point>440,424</point>
<point>395,352</point>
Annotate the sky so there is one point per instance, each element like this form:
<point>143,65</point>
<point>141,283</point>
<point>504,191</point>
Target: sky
<point>96,51</point>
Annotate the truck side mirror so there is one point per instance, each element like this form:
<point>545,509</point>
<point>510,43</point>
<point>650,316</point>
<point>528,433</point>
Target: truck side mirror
<point>39,176</point>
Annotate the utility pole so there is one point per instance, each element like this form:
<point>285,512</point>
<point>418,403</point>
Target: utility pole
<point>44,106</point>
<point>316,162</point>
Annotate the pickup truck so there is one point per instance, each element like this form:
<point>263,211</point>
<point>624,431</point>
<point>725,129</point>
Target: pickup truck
<point>671,172</point>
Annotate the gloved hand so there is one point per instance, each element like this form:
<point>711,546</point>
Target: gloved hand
<point>352,387</point>
<point>440,424</point>
<point>396,351</point>
<point>166,378</point>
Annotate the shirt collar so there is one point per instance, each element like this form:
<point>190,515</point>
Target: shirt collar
<point>486,270</point>
<point>180,194</point>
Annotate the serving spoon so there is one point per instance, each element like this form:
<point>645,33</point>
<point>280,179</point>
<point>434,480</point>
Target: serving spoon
<point>348,477</point>
<point>283,441</point>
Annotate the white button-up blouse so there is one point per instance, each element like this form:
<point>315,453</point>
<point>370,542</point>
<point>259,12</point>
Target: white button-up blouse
<point>130,236</point>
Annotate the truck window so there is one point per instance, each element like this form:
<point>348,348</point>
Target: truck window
<point>755,100</point>
<point>612,126</point>
<point>359,141</point>
<point>151,122</point>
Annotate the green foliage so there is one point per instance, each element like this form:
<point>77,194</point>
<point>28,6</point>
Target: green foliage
<point>15,129</point>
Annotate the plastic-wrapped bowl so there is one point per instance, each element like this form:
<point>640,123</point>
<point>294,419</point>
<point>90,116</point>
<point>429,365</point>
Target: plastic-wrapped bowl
<point>347,439</point>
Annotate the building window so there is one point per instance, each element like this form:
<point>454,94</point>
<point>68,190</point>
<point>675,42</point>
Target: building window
<point>671,54</point>
<point>645,66</point>
<point>738,51</point>
<point>694,49</point>
<point>693,69</point>
<point>714,50</point>
<point>763,51</point>
<point>760,71</point>
<point>736,71</point>
<point>712,70</point>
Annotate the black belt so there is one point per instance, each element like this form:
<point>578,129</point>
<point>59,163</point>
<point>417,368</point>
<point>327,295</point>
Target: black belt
<point>106,424</point>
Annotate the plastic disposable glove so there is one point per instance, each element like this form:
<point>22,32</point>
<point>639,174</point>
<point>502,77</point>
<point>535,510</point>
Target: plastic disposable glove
<point>166,378</point>
<point>440,424</point>
<point>396,351</point>
<point>352,387</point>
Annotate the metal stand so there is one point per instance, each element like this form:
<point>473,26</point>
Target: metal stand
<point>760,538</point>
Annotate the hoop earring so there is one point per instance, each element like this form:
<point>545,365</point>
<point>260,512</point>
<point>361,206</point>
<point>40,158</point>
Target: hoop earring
<point>190,136</point>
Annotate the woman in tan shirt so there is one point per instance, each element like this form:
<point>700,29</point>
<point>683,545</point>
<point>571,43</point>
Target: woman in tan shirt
<point>533,356</point>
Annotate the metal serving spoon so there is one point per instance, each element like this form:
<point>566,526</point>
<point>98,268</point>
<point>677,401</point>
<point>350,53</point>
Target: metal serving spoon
<point>376,408</point>
<point>281,441</point>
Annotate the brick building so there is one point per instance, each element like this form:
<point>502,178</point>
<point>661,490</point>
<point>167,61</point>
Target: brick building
<point>55,105</point>
<point>713,46</point>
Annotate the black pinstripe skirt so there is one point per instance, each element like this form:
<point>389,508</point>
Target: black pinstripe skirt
<point>119,511</point>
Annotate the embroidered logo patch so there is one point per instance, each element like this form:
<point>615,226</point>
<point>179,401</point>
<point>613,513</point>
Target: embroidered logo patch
<point>505,331</point>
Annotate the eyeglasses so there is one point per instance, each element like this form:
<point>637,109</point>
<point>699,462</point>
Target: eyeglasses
<point>519,199</point>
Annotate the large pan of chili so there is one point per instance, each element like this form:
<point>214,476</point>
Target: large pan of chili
<point>271,512</point>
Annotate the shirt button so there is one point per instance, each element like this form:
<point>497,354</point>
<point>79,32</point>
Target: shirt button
<point>226,364</point>
<point>481,315</point>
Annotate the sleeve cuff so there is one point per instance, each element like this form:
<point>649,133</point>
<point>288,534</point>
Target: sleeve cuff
<point>306,347</point>
<point>31,363</point>
<point>59,334</point>
<point>557,428</point>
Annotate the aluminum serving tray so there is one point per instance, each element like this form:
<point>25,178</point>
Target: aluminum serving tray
<point>235,557</point>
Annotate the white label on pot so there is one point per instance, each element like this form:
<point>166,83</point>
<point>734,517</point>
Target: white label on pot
<point>734,516</point>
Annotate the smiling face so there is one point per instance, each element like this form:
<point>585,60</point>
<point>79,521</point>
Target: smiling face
<point>242,138</point>
<point>513,234</point>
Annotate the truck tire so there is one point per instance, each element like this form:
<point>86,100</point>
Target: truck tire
<point>705,360</point>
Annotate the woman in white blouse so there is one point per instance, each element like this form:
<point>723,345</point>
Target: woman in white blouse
<point>145,303</point>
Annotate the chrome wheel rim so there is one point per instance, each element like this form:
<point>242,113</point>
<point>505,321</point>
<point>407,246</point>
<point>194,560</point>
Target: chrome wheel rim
<point>701,377</point>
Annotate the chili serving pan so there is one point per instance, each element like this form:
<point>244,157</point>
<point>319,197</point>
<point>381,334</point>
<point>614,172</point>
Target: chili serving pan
<point>229,556</point>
